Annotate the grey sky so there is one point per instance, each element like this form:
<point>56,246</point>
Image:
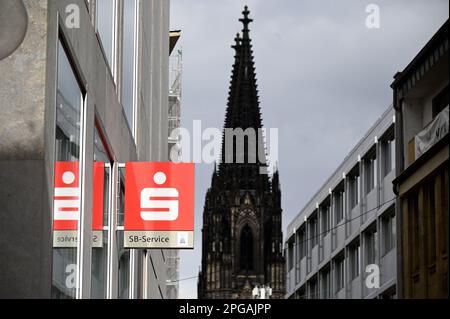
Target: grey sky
<point>323,79</point>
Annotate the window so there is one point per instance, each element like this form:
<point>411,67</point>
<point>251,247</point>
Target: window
<point>121,199</point>
<point>442,186</point>
<point>440,101</point>
<point>354,184</point>
<point>370,173</point>
<point>430,198</point>
<point>388,224</point>
<point>339,206</point>
<point>313,289</point>
<point>390,294</point>
<point>301,244</point>
<point>290,255</point>
<point>314,230</point>
<point>354,260</point>
<point>123,282</point>
<point>326,284</point>
<point>339,273</point>
<point>129,82</point>
<point>139,273</point>
<point>388,149</point>
<point>100,252</point>
<point>246,256</point>
<point>300,293</point>
<point>326,223</point>
<point>371,238</point>
<point>413,216</point>
<point>124,274</point>
<point>106,28</point>
<point>69,110</point>
<point>296,247</point>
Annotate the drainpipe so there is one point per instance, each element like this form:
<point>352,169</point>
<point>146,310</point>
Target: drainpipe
<point>399,164</point>
<point>13,26</point>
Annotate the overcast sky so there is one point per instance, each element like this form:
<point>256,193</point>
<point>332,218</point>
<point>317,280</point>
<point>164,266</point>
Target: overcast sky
<point>323,80</point>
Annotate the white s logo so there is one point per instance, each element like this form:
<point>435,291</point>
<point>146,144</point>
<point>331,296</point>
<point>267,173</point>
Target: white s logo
<point>159,204</point>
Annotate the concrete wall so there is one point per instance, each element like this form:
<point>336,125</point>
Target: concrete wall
<point>25,218</point>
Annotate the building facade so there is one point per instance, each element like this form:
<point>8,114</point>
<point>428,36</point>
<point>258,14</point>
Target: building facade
<point>421,101</point>
<point>87,89</point>
<point>242,236</point>
<point>348,225</point>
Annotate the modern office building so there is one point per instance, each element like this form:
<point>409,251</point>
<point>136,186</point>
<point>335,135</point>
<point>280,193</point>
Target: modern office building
<point>421,101</point>
<point>347,225</point>
<point>85,92</point>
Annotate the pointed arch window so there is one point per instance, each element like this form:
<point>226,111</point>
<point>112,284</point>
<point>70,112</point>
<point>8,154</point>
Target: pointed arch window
<point>246,256</point>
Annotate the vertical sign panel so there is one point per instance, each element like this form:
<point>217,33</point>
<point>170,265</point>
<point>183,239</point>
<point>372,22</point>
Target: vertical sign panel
<point>98,204</point>
<point>66,204</point>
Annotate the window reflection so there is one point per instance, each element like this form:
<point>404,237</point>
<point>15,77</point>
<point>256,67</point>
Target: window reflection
<point>69,104</point>
<point>106,26</point>
<point>124,254</point>
<point>129,58</point>
<point>124,274</point>
<point>102,173</point>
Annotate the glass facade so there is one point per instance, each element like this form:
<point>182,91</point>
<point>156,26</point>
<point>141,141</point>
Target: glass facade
<point>69,111</point>
<point>100,245</point>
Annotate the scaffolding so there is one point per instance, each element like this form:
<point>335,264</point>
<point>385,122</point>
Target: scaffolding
<point>175,92</point>
<point>175,77</point>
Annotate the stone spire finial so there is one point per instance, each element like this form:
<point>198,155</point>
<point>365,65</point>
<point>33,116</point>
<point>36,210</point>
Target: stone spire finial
<point>246,20</point>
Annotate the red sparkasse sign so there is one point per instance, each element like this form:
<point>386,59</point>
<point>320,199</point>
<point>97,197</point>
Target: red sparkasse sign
<point>66,203</point>
<point>159,205</point>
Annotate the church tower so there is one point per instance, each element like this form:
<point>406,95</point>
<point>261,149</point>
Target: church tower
<point>242,237</point>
